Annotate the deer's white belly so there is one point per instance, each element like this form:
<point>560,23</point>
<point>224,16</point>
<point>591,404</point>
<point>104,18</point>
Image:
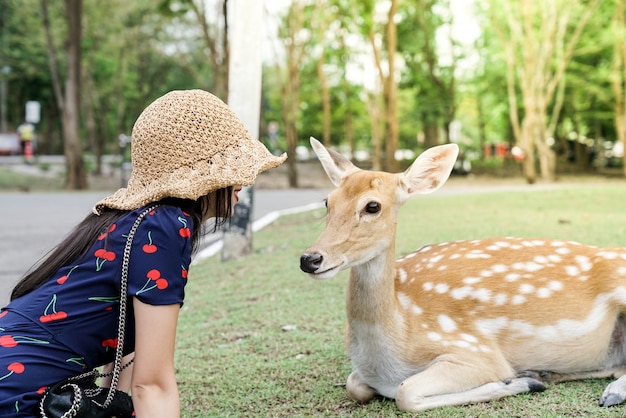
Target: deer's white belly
<point>373,356</point>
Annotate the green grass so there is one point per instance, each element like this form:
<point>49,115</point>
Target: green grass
<point>11,180</point>
<point>235,360</point>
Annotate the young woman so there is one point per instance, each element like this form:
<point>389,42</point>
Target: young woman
<point>191,154</point>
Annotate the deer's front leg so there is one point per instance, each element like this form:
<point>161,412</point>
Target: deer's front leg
<point>615,393</point>
<point>459,382</point>
<point>359,390</point>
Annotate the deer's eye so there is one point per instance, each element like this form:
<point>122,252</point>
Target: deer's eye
<point>372,207</point>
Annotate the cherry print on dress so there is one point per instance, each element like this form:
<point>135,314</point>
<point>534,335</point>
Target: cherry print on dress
<point>9,341</point>
<point>149,248</point>
<point>63,279</point>
<point>54,315</point>
<point>102,256</point>
<point>104,235</point>
<point>15,367</point>
<point>184,231</point>
<point>154,278</point>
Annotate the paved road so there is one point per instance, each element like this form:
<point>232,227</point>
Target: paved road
<point>32,223</point>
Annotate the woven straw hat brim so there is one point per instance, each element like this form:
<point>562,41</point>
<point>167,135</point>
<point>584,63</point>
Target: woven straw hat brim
<point>185,145</point>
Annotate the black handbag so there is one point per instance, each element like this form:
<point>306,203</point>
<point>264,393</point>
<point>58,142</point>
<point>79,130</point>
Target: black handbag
<point>80,396</point>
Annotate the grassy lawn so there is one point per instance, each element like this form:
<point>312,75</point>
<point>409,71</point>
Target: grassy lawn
<point>258,337</point>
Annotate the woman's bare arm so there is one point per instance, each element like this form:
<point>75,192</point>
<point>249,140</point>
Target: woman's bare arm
<point>154,389</point>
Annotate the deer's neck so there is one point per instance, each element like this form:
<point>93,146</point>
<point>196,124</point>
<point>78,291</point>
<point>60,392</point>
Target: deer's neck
<point>371,291</point>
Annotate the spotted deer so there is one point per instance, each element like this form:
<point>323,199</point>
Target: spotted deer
<point>466,321</point>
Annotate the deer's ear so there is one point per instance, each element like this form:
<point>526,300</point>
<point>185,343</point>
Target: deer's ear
<point>429,171</point>
<point>335,165</point>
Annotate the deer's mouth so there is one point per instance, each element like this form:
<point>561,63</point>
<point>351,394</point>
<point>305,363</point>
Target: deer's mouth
<point>325,274</point>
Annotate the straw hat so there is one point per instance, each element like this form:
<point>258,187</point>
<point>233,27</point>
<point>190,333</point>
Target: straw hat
<point>187,144</point>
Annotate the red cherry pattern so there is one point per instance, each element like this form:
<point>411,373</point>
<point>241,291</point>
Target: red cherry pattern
<point>104,235</point>
<point>109,343</point>
<point>184,231</point>
<point>51,314</point>
<point>10,341</point>
<point>103,256</point>
<point>64,278</point>
<point>149,248</point>
<point>160,283</point>
<point>15,367</point>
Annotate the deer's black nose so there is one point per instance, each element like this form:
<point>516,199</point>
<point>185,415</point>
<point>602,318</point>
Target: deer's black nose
<point>309,263</point>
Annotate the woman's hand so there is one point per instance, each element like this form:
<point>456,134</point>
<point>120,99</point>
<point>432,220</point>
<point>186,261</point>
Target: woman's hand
<point>154,389</point>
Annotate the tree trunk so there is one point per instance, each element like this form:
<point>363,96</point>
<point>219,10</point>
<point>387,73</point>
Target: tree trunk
<point>618,75</point>
<point>391,91</point>
<point>68,99</point>
<point>325,101</point>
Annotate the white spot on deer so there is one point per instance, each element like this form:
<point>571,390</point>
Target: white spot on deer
<point>609,255</point>
<point>402,275</point>
<point>455,256</point>
<point>530,266</point>
<point>446,323</point>
<point>555,258</point>
<point>471,280</point>
<point>623,256</point>
<point>572,271</point>
<point>500,299</point>
<point>541,259</point>
<point>500,268</point>
<point>526,288</point>
<point>417,310</point>
<point>544,292</point>
<point>492,326</point>
<point>512,277</point>
<point>428,286</point>
<point>462,344</point>
<point>442,288</point>
<point>435,259</point>
<point>563,250</point>
<point>469,338</point>
<point>518,299</point>
<point>405,300</point>
<point>483,294</point>
<point>621,271</point>
<point>486,273</point>
<point>494,248</point>
<point>462,292</point>
<point>434,336</point>
<point>442,268</point>
<point>484,349</point>
<point>503,244</point>
<point>584,262</point>
<point>557,243</point>
<point>516,247</point>
<point>555,285</point>
<point>428,247</point>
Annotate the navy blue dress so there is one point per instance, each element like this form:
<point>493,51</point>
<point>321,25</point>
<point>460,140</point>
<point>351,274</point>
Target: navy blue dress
<point>69,325</point>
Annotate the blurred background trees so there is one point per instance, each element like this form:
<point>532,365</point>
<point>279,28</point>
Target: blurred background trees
<point>526,87</point>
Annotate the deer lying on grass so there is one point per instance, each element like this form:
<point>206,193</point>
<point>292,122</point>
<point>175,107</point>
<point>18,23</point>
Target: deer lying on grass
<point>467,321</point>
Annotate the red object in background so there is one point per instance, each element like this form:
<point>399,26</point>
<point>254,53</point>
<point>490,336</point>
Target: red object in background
<point>28,150</point>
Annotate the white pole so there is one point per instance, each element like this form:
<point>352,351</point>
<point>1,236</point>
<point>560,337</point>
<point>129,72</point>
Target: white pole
<point>244,97</point>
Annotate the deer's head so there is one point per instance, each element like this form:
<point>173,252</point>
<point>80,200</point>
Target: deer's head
<point>362,210</point>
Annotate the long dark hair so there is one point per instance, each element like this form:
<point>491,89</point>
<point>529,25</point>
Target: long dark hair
<point>82,237</point>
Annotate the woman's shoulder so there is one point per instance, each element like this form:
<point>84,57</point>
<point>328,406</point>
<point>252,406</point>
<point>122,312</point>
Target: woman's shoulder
<point>164,217</point>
